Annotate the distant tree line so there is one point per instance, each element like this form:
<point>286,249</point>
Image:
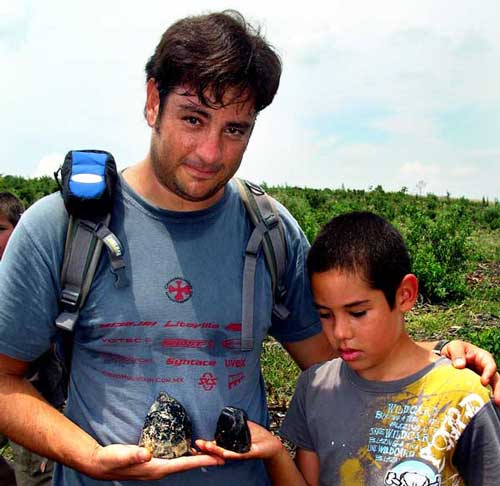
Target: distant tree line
<point>437,229</point>
<point>28,190</point>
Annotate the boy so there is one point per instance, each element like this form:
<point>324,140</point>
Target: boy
<point>10,212</point>
<point>387,412</point>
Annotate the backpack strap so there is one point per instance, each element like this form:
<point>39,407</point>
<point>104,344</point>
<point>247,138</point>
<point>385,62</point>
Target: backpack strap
<point>84,242</point>
<point>268,233</point>
<point>88,182</point>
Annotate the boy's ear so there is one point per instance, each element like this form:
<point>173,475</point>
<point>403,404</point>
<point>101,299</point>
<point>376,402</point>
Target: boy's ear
<point>407,293</point>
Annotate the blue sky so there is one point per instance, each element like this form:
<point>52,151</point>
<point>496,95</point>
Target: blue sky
<point>388,92</point>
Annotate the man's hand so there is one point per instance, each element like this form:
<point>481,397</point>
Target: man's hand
<point>264,445</point>
<point>125,462</point>
<point>482,362</point>
<point>280,466</point>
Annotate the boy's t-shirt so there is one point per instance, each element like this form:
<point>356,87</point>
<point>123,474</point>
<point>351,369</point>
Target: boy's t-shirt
<point>436,427</point>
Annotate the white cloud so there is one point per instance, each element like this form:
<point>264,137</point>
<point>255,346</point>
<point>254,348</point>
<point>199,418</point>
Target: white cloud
<point>406,124</point>
<point>418,169</point>
<point>48,165</point>
<point>463,172</point>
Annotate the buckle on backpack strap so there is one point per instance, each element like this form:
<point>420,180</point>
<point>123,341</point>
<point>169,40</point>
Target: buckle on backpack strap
<point>69,299</point>
<point>66,320</point>
<point>271,221</point>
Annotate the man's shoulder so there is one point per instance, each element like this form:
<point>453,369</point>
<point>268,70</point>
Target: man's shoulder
<point>43,224</point>
<point>47,210</point>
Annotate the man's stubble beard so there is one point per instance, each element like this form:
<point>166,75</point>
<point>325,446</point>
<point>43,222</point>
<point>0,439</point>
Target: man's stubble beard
<point>171,184</point>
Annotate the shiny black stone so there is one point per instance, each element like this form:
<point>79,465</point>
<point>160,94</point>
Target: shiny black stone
<point>167,431</point>
<point>232,431</point>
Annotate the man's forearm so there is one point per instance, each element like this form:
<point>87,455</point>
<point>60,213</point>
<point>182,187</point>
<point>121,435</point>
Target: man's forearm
<point>310,351</point>
<point>26,418</point>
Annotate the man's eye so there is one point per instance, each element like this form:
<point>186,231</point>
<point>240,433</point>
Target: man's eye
<point>358,314</point>
<point>324,315</point>
<point>192,120</point>
<point>235,131</point>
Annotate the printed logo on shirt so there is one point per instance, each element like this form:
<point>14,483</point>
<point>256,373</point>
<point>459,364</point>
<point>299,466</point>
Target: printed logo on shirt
<point>144,379</point>
<point>190,362</point>
<point>127,340</point>
<point>234,326</point>
<point>235,380</point>
<point>188,343</point>
<point>179,290</point>
<point>128,324</point>
<point>235,363</point>
<point>124,360</point>
<point>207,381</point>
<point>231,343</point>
<point>412,472</point>
<point>192,325</point>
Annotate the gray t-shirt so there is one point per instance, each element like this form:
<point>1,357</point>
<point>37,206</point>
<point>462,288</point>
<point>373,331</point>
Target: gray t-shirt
<point>176,328</point>
<point>436,427</point>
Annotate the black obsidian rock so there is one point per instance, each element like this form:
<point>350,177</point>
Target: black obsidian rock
<point>232,431</point>
<point>167,431</point>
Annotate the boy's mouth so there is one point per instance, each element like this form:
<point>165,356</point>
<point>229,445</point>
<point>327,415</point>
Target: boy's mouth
<point>349,354</point>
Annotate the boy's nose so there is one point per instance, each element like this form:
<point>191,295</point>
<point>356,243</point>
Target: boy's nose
<point>342,329</point>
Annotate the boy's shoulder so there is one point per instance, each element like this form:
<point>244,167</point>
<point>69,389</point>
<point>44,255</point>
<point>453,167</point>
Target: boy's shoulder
<point>445,378</point>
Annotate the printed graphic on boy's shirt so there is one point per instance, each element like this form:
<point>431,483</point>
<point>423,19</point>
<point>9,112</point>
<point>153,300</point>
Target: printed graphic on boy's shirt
<point>413,428</point>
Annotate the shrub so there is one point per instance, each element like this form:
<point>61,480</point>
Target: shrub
<point>490,217</point>
<point>440,250</point>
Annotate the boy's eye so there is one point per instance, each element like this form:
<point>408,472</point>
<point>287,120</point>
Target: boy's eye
<point>358,314</point>
<point>324,315</point>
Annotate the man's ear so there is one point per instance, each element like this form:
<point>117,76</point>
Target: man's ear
<point>152,103</point>
<point>407,293</point>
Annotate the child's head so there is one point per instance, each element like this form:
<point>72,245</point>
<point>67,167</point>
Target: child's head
<point>362,286</point>
<point>10,212</point>
<point>365,244</point>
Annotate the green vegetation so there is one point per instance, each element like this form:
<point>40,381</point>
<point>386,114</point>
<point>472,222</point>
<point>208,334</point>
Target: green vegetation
<point>28,190</point>
<point>454,243</point>
<point>436,230</point>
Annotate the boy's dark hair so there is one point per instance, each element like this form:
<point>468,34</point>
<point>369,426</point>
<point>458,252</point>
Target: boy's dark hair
<point>216,51</point>
<point>365,244</point>
<point>11,207</point>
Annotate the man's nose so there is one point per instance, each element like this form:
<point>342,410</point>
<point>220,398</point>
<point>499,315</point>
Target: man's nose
<point>209,148</point>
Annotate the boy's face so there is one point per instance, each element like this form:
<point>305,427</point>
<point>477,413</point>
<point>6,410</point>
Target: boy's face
<point>358,321</point>
<point>6,228</point>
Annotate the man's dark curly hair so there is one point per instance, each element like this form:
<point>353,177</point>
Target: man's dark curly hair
<point>214,53</point>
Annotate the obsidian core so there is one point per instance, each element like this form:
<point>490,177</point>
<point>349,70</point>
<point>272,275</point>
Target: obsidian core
<point>232,431</point>
<point>167,431</point>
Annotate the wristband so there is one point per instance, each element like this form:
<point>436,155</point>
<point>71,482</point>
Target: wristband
<point>439,346</point>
